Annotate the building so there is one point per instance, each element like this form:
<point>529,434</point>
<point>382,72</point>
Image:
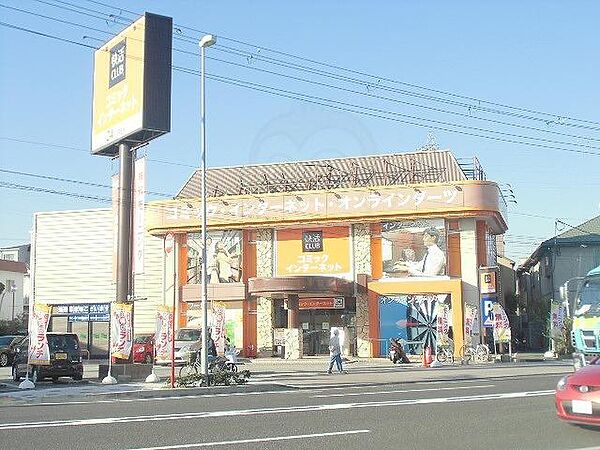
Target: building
<point>13,279</point>
<point>367,244</point>
<point>559,261</point>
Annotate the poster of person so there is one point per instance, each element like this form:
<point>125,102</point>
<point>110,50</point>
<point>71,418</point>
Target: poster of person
<point>121,339</point>
<point>501,324</point>
<point>223,257</point>
<point>39,352</point>
<point>164,332</point>
<point>414,248</point>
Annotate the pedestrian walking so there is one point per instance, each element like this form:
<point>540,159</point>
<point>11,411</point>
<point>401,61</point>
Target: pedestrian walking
<point>335,352</point>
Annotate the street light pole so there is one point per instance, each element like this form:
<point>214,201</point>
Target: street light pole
<point>205,42</point>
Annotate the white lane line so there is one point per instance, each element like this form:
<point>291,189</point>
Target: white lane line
<point>300,389</point>
<point>266,439</point>
<point>403,391</point>
<point>266,411</point>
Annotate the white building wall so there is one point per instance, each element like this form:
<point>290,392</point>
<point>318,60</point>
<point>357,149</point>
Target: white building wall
<point>468,263</point>
<point>74,263</point>
<point>6,298</point>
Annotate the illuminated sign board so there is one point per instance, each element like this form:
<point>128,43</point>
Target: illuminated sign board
<point>132,85</point>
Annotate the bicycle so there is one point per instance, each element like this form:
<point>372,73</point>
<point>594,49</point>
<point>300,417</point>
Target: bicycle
<point>445,353</point>
<point>215,363</point>
<point>479,354</point>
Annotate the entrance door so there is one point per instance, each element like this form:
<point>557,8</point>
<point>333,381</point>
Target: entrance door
<point>315,331</point>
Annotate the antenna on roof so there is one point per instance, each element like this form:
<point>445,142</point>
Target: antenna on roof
<point>431,144</point>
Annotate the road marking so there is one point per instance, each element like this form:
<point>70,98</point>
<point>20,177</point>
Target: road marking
<point>403,391</point>
<point>266,439</point>
<point>266,411</point>
<point>299,390</point>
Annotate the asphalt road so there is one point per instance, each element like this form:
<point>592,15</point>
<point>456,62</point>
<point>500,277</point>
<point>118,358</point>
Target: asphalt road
<point>492,413</point>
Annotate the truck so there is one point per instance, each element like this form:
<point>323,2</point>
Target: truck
<point>585,335</point>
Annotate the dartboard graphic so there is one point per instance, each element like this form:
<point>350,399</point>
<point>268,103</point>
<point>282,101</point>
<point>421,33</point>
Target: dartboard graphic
<point>412,318</point>
<point>421,322</point>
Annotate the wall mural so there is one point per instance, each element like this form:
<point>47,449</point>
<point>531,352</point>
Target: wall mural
<point>414,248</point>
<point>412,318</point>
<point>223,257</point>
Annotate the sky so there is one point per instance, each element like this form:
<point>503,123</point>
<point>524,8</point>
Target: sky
<point>482,79</point>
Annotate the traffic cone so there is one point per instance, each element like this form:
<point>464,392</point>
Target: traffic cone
<point>426,356</point>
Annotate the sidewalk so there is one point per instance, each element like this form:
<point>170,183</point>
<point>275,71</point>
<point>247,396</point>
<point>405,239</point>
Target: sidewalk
<point>271,374</point>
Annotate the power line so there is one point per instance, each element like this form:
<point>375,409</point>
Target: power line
<point>358,109</point>
<point>556,119</point>
<point>67,180</point>
<point>367,94</point>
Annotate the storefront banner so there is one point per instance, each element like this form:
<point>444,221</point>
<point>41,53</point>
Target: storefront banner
<point>470,322</point>
<point>442,323</point>
<point>218,331</point>
<point>557,319</point>
<point>164,332</point>
<point>39,352</point>
<point>501,324</point>
<point>121,330</point>
<point>414,248</point>
<point>314,251</point>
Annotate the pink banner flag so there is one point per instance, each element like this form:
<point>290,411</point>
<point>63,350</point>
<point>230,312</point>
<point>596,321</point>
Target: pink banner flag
<point>121,339</point>
<point>164,332</point>
<point>39,352</point>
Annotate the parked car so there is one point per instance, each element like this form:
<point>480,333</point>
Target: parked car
<point>187,341</point>
<point>578,395</point>
<point>7,348</point>
<point>143,348</point>
<point>65,359</point>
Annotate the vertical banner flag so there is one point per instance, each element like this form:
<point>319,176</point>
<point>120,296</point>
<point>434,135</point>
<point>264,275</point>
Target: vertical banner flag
<point>164,332</point>
<point>121,339</point>
<point>219,326</point>
<point>442,323</point>
<point>138,215</point>
<point>501,324</point>
<point>557,319</point>
<point>470,322</point>
<point>39,353</point>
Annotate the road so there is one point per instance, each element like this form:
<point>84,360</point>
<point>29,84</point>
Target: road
<point>514,412</point>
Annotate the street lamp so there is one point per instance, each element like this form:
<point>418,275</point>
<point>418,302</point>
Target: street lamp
<point>13,289</point>
<point>205,42</point>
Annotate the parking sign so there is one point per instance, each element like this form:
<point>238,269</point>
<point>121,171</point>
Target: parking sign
<point>487,310</point>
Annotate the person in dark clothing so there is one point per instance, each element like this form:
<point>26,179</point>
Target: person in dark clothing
<point>212,348</point>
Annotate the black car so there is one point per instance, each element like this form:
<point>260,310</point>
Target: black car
<point>7,348</point>
<point>65,359</point>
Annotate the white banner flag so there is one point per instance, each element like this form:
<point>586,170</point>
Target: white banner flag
<point>164,332</point>
<point>39,352</point>
<point>121,339</point>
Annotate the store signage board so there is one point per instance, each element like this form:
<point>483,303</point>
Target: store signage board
<point>132,85</point>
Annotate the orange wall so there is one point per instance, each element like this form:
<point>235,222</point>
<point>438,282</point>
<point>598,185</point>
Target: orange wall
<point>333,260</point>
<point>454,269</point>
<point>376,252</point>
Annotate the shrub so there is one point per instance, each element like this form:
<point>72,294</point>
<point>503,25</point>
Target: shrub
<point>216,378</point>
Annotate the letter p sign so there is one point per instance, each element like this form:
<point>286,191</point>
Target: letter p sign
<point>487,310</point>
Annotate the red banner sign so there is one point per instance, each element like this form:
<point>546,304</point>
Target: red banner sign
<point>321,303</point>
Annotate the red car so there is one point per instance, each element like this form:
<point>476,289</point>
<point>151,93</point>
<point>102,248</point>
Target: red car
<point>143,348</point>
<point>578,395</point>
